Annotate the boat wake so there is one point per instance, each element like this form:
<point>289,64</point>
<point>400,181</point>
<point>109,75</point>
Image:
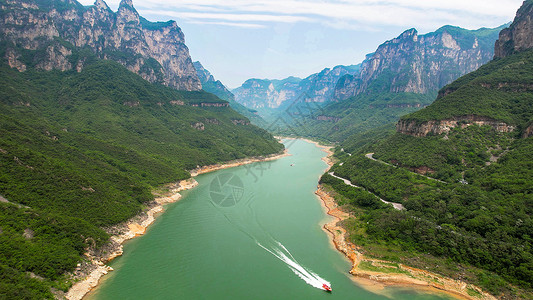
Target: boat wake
<point>305,274</point>
<point>241,215</point>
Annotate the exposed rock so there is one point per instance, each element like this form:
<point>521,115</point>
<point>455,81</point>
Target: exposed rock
<point>211,104</point>
<point>437,127</point>
<point>528,132</point>
<point>28,234</point>
<point>240,122</point>
<point>319,87</point>
<point>12,59</point>
<point>132,103</point>
<point>420,64</point>
<point>177,102</point>
<point>519,36</point>
<point>212,121</point>
<point>211,85</point>
<point>156,51</point>
<point>198,126</point>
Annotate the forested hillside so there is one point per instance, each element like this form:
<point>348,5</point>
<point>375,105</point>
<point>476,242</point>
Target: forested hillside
<point>402,76</point>
<point>84,150</point>
<point>462,170</point>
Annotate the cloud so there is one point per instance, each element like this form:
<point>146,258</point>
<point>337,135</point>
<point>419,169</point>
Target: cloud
<point>231,16</point>
<point>347,14</point>
<point>231,24</point>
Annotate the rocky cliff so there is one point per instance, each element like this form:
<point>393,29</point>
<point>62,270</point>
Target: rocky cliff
<point>211,85</point>
<point>420,64</point>
<point>499,94</point>
<point>264,93</point>
<point>436,127</point>
<point>318,87</point>
<point>48,35</point>
<point>519,36</point>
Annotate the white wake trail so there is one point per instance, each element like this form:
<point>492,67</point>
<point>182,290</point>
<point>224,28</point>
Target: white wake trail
<point>306,275</point>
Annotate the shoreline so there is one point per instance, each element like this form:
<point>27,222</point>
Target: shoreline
<point>91,271</point>
<point>374,281</point>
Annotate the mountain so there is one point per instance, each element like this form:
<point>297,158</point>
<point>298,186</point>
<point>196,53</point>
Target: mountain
<point>85,142</point>
<point>517,37</point>
<point>420,64</point>
<point>46,34</point>
<point>402,76</point>
<point>216,87</point>
<point>461,168</point>
<point>265,93</point>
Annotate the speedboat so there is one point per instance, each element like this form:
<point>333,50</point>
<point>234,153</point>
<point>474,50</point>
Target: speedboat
<point>327,288</point>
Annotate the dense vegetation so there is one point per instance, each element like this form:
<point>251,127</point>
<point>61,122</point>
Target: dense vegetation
<point>216,88</point>
<point>501,90</point>
<point>79,151</point>
<point>355,115</point>
<point>485,223</point>
<point>478,221</point>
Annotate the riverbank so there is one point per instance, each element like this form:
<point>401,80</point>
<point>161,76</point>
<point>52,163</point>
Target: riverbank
<point>89,273</point>
<point>373,274</point>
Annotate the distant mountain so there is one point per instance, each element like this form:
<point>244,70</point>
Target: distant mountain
<point>476,139</point>
<point>45,34</point>
<point>420,64</point>
<point>211,85</point>
<point>265,93</point>
<point>402,76</point>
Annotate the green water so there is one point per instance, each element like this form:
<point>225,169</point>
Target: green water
<point>200,250</point>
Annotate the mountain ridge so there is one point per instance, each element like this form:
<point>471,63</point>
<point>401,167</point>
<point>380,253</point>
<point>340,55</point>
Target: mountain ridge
<point>50,35</point>
<point>275,93</point>
<point>414,63</point>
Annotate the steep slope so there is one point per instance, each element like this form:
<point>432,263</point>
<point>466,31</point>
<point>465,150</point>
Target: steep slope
<point>402,76</point>
<point>46,34</point>
<point>475,141</point>
<point>84,150</point>
<point>216,87</point>
<point>420,64</point>
<point>84,141</point>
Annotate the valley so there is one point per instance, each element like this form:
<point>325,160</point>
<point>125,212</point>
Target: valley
<point>106,121</point>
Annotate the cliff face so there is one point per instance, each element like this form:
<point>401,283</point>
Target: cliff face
<point>497,95</point>
<point>211,85</point>
<point>318,87</point>
<point>420,63</point>
<point>264,93</point>
<point>52,30</point>
<point>519,36</point>
<point>436,127</point>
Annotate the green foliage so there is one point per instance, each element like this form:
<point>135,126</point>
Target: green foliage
<point>85,150</point>
<point>17,285</point>
<point>355,196</point>
<point>389,183</point>
<point>358,114</point>
<point>53,243</point>
<point>445,156</point>
<point>485,223</point>
<point>500,89</point>
<point>154,25</point>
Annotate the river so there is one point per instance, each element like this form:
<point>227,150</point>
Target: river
<point>232,237</point>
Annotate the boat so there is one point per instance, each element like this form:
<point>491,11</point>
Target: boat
<point>327,288</point>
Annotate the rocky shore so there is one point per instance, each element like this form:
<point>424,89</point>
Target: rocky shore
<point>400,275</point>
<point>93,268</point>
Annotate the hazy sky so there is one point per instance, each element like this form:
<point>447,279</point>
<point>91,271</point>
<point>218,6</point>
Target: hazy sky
<point>241,39</point>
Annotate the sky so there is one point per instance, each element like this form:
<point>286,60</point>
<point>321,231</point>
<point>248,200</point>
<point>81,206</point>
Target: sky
<point>241,39</point>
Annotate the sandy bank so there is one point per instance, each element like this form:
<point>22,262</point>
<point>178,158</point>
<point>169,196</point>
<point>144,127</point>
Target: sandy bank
<point>400,274</point>
<point>94,267</point>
